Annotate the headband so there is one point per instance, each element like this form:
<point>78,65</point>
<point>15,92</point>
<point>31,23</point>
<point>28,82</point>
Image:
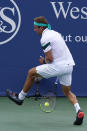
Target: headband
<point>42,24</point>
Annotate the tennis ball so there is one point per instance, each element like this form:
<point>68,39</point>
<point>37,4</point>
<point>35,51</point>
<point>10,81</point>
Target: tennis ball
<point>46,104</point>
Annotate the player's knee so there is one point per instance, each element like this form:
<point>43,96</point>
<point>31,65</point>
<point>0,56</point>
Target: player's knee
<point>29,72</point>
<point>32,72</point>
<point>66,93</point>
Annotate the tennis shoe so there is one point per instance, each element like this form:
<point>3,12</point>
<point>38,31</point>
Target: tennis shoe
<point>14,97</point>
<point>79,118</point>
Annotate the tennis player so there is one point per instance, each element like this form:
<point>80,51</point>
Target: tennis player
<point>58,62</point>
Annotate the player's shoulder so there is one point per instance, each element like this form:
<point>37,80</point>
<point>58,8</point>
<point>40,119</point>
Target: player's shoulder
<point>45,36</point>
<point>49,35</point>
<point>53,33</point>
<point>56,33</point>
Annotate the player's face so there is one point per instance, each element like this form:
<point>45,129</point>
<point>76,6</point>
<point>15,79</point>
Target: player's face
<point>38,30</point>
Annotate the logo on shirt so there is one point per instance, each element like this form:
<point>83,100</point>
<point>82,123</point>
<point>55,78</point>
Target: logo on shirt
<point>10,20</point>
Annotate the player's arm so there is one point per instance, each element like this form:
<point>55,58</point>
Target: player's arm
<point>48,56</point>
<point>46,46</point>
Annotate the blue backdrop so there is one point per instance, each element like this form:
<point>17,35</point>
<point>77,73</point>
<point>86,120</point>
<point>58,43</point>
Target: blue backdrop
<point>18,55</point>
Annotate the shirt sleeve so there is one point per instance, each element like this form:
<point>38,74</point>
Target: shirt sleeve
<point>46,45</point>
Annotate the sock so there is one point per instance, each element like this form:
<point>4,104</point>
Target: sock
<point>22,95</point>
<point>77,107</point>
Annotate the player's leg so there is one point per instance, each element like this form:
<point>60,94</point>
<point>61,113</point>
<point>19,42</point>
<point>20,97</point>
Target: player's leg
<point>67,92</point>
<point>39,71</point>
<point>32,73</point>
<point>65,81</point>
<point>72,98</point>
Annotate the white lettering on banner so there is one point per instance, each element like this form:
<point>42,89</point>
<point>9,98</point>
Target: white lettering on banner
<point>77,38</point>
<point>61,9</point>
<point>81,39</point>
<point>74,12</point>
<point>9,25</point>
<point>84,11</point>
<point>67,38</point>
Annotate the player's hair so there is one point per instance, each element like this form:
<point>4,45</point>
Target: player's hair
<point>41,19</point>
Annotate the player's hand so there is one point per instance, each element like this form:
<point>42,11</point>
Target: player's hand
<point>41,60</point>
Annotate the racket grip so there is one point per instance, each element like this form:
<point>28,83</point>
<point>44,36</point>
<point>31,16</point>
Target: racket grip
<point>56,81</point>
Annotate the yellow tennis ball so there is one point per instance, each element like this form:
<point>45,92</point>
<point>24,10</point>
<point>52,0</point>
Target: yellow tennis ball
<point>46,104</point>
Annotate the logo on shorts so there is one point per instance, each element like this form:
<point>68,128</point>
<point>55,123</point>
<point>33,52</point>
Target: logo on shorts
<point>10,20</point>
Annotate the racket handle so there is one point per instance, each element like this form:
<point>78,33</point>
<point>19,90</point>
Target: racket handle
<point>37,93</point>
<point>56,81</point>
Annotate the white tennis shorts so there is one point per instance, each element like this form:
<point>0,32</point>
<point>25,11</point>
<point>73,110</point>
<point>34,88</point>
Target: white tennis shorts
<point>63,72</point>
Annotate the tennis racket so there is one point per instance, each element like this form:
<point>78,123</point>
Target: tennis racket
<point>48,100</point>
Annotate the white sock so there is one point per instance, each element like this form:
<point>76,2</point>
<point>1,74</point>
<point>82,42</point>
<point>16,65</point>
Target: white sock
<point>22,95</point>
<point>77,107</point>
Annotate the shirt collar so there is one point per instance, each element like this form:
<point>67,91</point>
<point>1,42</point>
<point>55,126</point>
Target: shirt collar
<point>45,31</point>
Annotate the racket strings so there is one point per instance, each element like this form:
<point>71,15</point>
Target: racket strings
<point>50,98</point>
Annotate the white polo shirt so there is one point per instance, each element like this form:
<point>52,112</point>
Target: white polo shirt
<point>52,40</point>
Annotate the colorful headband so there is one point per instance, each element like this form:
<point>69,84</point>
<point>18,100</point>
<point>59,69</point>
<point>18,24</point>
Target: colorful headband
<point>42,24</point>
